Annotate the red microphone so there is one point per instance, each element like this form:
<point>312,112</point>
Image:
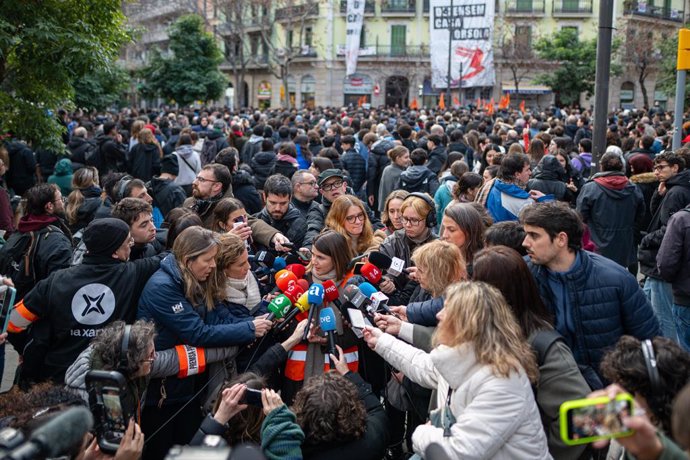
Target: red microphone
<point>331,294</point>
<point>293,291</point>
<point>371,273</point>
<point>298,269</point>
<point>304,284</point>
<point>283,279</point>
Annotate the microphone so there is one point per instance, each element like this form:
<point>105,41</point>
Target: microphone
<point>293,291</point>
<point>283,279</point>
<point>297,269</point>
<point>278,265</point>
<point>331,294</point>
<point>264,259</point>
<point>304,284</point>
<point>371,273</point>
<point>353,295</point>
<point>378,298</point>
<point>301,306</point>
<point>315,298</point>
<point>328,325</point>
<point>393,266</point>
<point>278,307</point>
<point>57,436</point>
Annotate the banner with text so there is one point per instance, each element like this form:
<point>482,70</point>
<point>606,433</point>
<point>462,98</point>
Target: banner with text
<point>354,20</point>
<point>466,28</point>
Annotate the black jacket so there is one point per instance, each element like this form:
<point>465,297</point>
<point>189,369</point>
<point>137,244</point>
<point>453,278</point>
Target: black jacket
<point>245,191</point>
<point>303,207</point>
<point>20,176</point>
<point>356,167</point>
<point>87,211</point>
<point>166,194</point>
<point>219,138</point>
<point>285,168</point>
<point>293,224</point>
<point>145,161</point>
<point>677,197</point>
<point>673,258</point>
<point>648,184</point>
<point>112,153</point>
<point>78,146</point>
<point>262,165</point>
<point>378,160</point>
<point>73,305</point>
<point>437,159</point>
<point>418,179</point>
<point>550,178</point>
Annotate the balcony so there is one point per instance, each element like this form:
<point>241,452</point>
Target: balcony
<point>524,7</point>
<point>654,12</point>
<point>304,10</point>
<point>145,12</point>
<point>369,7</point>
<point>572,8</point>
<point>377,52</point>
<point>398,8</point>
<point>154,36</point>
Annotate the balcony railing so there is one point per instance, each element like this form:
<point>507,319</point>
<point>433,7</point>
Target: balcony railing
<point>654,12</point>
<point>398,6</point>
<point>572,7</point>
<point>368,7</point>
<point>297,11</point>
<point>525,7</point>
<point>387,51</point>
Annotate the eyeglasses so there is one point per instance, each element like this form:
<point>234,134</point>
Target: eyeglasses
<point>310,184</point>
<point>359,217</point>
<point>412,222</point>
<point>332,185</point>
<point>660,167</point>
<point>201,180</point>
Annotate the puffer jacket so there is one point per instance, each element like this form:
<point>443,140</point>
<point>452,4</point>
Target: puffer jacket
<point>424,313</point>
<point>437,159</point>
<point>611,206</point>
<point>648,184</point>
<point>244,190</point>
<point>607,304</point>
<point>262,164</point>
<point>378,160</point>
<point>179,322</point>
<point>496,417</point>
<point>549,177</point>
<point>677,197</point>
<point>356,167</point>
<point>673,258</point>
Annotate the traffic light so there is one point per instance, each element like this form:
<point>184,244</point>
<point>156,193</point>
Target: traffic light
<point>683,62</point>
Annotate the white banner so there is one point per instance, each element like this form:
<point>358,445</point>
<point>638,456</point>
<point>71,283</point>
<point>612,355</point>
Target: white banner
<point>470,23</point>
<point>354,20</point>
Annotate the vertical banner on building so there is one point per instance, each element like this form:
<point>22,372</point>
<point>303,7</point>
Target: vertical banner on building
<point>466,27</point>
<point>354,20</point>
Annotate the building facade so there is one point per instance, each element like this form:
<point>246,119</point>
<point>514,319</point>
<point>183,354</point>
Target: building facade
<point>295,49</point>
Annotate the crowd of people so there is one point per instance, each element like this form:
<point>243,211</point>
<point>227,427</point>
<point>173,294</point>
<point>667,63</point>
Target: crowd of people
<point>339,283</point>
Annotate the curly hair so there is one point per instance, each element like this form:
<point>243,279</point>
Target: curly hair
<point>625,365</point>
<point>328,409</point>
<point>129,209</point>
<point>442,262</point>
<point>108,345</point>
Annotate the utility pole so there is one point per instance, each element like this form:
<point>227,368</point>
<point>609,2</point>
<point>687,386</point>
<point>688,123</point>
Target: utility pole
<point>601,88</point>
<point>682,65</point>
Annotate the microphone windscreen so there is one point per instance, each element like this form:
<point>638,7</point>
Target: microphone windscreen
<point>327,320</point>
<point>63,432</point>
<point>293,291</point>
<point>367,289</point>
<point>350,292</point>
<point>280,305</point>
<point>278,263</point>
<point>315,293</point>
<point>283,279</point>
<point>304,284</point>
<point>380,259</point>
<point>265,258</point>
<point>330,291</point>
<point>297,269</point>
<point>291,258</point>
<point>302,303</point>
<point>371,272</point>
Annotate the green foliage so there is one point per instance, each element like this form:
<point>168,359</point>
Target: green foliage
<point>45,47</point>
<point>191,72</point>
<point>101,89</point>
<point>575,64</point>
<point>666,81</point>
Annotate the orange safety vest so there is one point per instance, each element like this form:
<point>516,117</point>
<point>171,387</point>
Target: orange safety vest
<point>297,357</point>
<point>20,318</point>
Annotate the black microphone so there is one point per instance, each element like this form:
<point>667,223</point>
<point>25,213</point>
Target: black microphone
<point>57,436</point>
<point>355,296</point>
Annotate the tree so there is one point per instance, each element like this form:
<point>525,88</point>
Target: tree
<point>515,51</point>
<point>190,72</point>
<point>666,78</point>
<point>642,52</point>
<point>576,64</point>
<point>45,47</point>
<point>102,88</point>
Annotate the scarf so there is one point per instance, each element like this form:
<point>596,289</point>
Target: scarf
<point>201,206</point>
<point>243,292</point>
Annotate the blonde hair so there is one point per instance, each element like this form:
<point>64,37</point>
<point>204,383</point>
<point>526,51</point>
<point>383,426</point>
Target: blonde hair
<point>335,220</point>
<point>83,178</point>
<point>446,261</point>
<point>420,206</point>
<point>190,244</point>
<point>230,248</point>
<point>137,126</point>
<point>477,313</point>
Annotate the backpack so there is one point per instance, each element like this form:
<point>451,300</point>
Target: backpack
<point>586,168</point>
<point>17,258</point>
<point>92,156</point>
<point>208,151</point>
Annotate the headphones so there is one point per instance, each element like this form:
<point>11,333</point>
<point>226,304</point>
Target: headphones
<point>124,348</point>
<point>652,370</point>
<point>431,217</point>
<point>123,183</point>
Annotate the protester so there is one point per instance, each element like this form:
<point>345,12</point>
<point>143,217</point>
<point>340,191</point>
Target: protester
<point>391,215</point>
<point>348,216</point>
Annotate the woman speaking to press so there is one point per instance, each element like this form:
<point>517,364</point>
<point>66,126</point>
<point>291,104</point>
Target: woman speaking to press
<point>482,368</point>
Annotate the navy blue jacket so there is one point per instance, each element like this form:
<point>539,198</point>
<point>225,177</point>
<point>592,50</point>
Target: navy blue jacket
<point>356,167</point>
<point>179,322</point>
<point>607,303</point>
<point>424,313</point>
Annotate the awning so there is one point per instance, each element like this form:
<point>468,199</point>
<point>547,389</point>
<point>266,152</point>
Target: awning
<point>527,89</point>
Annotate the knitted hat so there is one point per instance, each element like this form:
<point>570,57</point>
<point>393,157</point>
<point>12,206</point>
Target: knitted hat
<point>102,237</point>
<point>170,165</point>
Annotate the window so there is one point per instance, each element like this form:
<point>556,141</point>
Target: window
<point>308,36</point>
<point>362,37</point>
<point>523,38</point>
<point>398,39</point>
<point>573,28</point>
<point>288,39</point>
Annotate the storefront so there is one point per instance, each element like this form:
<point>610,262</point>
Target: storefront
<point>263,94</point>
<point>627,95</point>
<point>532,95</point>
<point>292,90</point>
<point>357,88</point>
<point>308,91</point>
<point>429,94</point>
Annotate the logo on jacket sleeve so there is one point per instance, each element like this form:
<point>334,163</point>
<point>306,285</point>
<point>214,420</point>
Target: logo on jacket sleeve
<point>93,304</point>
<point>177,308</point>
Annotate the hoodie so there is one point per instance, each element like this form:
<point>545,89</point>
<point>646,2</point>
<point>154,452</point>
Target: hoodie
<point>550,178</point>
<point>418,178</point>
<point>189,163</point>
<point>250,148</point>
<point>262,164</point>
<point>611,206</point>
<point>62,176</point>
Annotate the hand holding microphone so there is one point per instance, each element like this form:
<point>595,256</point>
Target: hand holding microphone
<point>315,297</point>
<point>301,306</point>
<point>279,306</point>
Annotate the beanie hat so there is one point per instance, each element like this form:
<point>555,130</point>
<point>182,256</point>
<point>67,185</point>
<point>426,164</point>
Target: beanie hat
<point>170,165</point>
<point>102,237</point>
